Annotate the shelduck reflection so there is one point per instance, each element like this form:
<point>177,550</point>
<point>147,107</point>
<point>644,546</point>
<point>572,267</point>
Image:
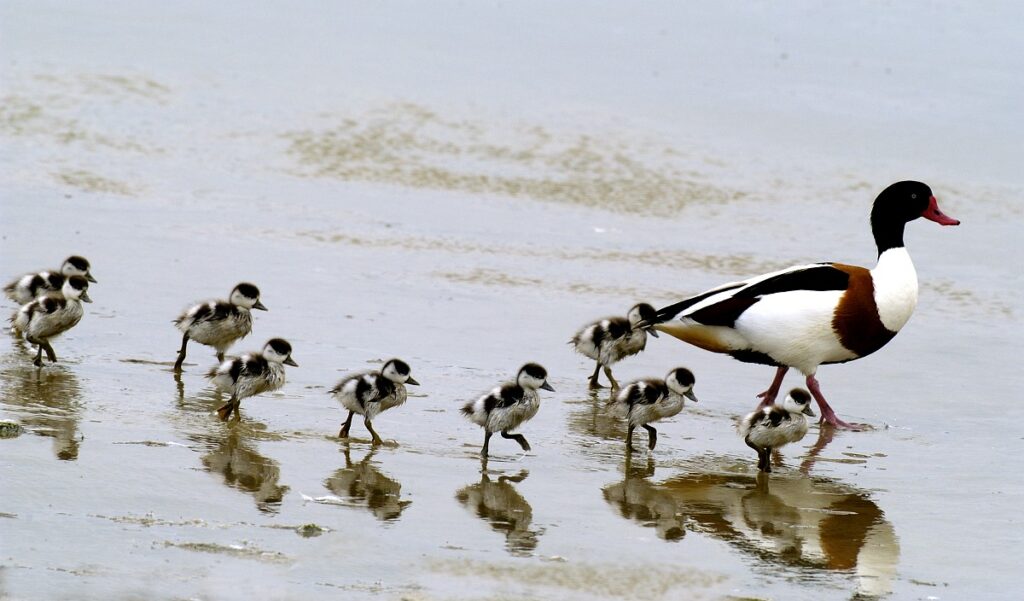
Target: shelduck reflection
<point>790,520</point>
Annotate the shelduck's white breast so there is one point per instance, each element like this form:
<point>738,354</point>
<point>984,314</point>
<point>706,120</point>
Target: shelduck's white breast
<point>895,283</point>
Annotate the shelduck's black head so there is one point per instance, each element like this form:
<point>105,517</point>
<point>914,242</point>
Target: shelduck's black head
<point>397,370</point>
<point>900,204</point>
<point>76,265</point>
<point>278,349</point>
<point>533,376</point>
<point>246,295</point>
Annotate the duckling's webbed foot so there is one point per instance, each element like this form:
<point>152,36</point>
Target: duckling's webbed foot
<point>608,372</point>
<point>653,436</point>
<point>593,379</point>
<point>369,428</point>
<point>38,361</point>
<point>518,438</point>
<point>629,438</point>
<point>346,426</point>
<point>225,410</point>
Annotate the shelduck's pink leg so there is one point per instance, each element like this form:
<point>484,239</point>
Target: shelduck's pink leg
<point>768,396</point>
<point>828,416</point>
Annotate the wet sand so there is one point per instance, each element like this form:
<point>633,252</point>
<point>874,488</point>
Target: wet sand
<point>468,238</point>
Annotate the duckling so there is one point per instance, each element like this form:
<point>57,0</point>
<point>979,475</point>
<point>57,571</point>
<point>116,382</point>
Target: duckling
<point>252,374</point>
<point>370,394</point>
<point>219,323</point>
<point>771,427</point>
<point>646,401</point>
<point>612,339</point>
<point>509,405</point>
<point>51,315</point>
<point>31,285</point>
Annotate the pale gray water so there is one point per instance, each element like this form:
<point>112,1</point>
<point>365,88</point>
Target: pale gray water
<point>462,187</point>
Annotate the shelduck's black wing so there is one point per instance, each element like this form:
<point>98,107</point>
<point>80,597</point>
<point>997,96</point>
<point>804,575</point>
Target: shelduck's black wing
<point>723,305</point>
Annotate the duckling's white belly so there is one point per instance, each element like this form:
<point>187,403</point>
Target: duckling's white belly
<point>391,401</point>
<point>43,326</point>
<point>221,333</point>
<point>667,407</point>
<point>620,348</point>
<point>510,418</point>
<point>795,329</point>
<point>269,381</point>
<point>790,430</point>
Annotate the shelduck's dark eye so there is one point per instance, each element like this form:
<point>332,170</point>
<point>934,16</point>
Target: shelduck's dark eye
<point>914,196</point>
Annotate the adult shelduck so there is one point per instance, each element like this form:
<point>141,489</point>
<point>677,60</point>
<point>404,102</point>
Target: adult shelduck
<point>810,315</point>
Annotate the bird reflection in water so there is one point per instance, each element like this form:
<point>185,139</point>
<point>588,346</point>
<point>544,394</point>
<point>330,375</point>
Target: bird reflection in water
<point>367,486</point>
<point>498,503</point>
<point>591,418</point>
<point>232,456</point>
<point>807,524</point>
<point>46,402</point>
<point>635,498</point>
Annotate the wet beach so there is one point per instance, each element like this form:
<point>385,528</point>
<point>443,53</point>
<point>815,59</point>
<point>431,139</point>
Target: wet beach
<point>460,200</point>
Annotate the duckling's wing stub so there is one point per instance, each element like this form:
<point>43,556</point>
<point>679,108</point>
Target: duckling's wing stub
<point>49,304</point>
<point>508,395</point>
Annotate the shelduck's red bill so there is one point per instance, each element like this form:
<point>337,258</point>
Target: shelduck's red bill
<point>933,213</point>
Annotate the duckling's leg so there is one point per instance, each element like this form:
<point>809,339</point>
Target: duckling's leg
<point>52,356</point>
<point>487,442</point>
<point>181,353</point>
<point>220,356</point>
<point>767,460</point>
<point>608,372</point>
<point>518,438</point>
<point>828,416</point>
<point>768,396</point>
<point>653,436</point>
<point>369,428</point>
<point>225,410</point>
<point>629,437</point>
<point>345,426</point>
<point>593,379</point>
<point>757,449</point>
<point>38,361</point>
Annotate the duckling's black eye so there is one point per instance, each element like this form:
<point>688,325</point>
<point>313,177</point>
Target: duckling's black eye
<point>914,196</point>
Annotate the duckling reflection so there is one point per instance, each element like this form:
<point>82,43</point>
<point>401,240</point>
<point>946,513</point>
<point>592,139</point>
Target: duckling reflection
<point>47,403</point>
<point>244,468</point>
<point>804,523</point>
<point>590,418</point>
<point>499,504</point>
<point>635,498</point>
<point>364,483</point>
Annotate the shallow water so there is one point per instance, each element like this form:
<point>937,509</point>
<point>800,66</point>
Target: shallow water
<point>467,229</point>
